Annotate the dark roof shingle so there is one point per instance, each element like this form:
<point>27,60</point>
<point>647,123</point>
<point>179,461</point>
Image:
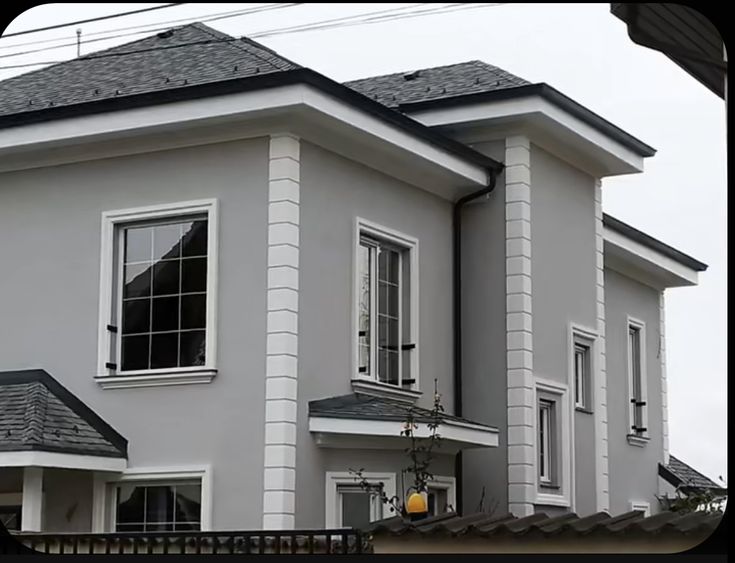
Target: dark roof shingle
<point>188,55</point>
<point>39,414</point>
<point>679,473</point>
<point>472,77</point>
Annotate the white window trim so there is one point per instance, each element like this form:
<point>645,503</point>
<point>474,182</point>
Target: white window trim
<point>565,447</point>
<point>641,505</point>
<point>364,226</point>
<point>106,377</point>
<point>103,501</point>
<point>336,478</point>
<point>448,484</point>
<point>587,337</point>
<point>639,440</point>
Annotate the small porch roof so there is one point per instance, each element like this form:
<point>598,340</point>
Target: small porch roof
<point>365,421</point>
<point>43,424</point>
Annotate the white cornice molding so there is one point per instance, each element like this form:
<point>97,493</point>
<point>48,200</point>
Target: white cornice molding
<point>62,461</point>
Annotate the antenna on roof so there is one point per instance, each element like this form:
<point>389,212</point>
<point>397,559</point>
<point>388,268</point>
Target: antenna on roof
<point>79,41</point>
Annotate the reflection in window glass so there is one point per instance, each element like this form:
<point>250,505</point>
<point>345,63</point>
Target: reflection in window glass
<point>164,305</point>
<point>158,508</point>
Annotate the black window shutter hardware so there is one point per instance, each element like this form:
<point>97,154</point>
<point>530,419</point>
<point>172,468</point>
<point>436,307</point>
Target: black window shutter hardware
<point>110,365</point>
<point>410,346</point>
<point>112,328</point>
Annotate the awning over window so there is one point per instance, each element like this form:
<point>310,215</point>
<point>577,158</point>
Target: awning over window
<point>371,422</point>
<point>43,424</point>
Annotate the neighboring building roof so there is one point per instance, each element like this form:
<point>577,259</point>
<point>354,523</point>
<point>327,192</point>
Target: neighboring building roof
<point>189,55</point>
<point>683,34</point>
<point>436,83</point>
<point>38,414</point>
<point>368,407</point>
<point>655,244</point>
<point>184,63</point>
<point>678,473</point>
<point>477,82</point>
<point>600,523</point>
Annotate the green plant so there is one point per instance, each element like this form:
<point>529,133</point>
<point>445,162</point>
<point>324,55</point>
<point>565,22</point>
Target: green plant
<point>706,501</point>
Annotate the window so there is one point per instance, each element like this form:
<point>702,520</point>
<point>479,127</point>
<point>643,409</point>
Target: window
<point>10,517</point>
<point>581,375</point>
<point>386,301</point>
<point>158,507</point>
<point>546,442</point>
<point>441,495</point>
<point>637,383</point>
<point>349,505</point>
<point>582,366</point>
<point>553,443</point>
<point>158,291</point>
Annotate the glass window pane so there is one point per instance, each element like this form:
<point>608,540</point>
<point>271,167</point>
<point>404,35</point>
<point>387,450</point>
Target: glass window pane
<point>392,262</point>
<point>166,277</point>
<point>165,313</point>
<point>166,241</point>
<point>193,311</point>
<point>138,244</point>
<point>164,350</point>
<point>136,316</point>
<point>188,504</point>
<point>392,293</point>
<point>194,240</point>
<point>159,504</point>
<point>192,348</point>
<point>130,527</point>
<point>130,504</point>
<point>134,352</point>
<point>137,280</point>
<point>355,509</point>
<point>193,275</point>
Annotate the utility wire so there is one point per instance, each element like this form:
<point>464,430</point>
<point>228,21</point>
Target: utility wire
<point>203,20</point>
<point>232,13</point>
<point>118,15</point>
<point>279,31</point>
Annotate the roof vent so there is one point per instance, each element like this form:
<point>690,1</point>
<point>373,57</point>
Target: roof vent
<point>165,34</point>
<point>411,75</point>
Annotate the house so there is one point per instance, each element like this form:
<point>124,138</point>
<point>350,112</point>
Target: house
<point>234,277</point>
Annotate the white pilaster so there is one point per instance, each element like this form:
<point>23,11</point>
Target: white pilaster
<point>519,325</point>
<point>602,478</point>
<point>664,385</point>
<point>279,473</point>
<point>32,508</point>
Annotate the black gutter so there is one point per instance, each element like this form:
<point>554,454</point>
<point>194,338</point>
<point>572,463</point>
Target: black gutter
<point>457,297</point>
<point>654,244</point>
<point>548,93</point>
<point>251,83</point>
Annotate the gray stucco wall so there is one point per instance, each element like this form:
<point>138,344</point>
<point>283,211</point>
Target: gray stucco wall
<point>49,294</point>
<point>563,271</point>
<point>633,470</point>
<point>67,500</point>
<point>334,191</point>
<point>484,382</point>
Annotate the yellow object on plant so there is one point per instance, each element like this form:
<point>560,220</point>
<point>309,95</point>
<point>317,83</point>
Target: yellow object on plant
<point>416,504</point>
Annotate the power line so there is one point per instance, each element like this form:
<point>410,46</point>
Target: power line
<point>326,24</point>
<point>205,19</point>
<point>118,15</point>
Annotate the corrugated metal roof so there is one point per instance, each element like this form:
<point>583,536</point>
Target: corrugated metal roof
<point>484,525</point>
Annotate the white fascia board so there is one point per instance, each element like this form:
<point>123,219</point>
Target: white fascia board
<point>463,433</point>
<point>666,271</point>
<point>216,110</point>
<point>62,461</point>
<point>613,156</point>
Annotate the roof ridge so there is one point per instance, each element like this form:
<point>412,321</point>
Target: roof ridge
<point>34,417</point>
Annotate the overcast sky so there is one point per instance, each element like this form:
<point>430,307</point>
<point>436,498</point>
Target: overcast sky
<point>583,51</point>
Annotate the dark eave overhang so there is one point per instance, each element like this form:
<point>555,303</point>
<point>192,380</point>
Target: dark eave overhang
<point>675,481</point>
<point>548,93</point>
<point>684,34</point>
<point>647,240</point>
<point>264,81</point>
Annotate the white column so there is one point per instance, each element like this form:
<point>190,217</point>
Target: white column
<point>664,385</point>
<point>519,329</point>
<point>602,478</point>
<point>279,473</point>
<point>32,509</point>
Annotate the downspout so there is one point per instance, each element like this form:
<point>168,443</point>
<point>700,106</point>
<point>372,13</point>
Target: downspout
<point>457,298</point>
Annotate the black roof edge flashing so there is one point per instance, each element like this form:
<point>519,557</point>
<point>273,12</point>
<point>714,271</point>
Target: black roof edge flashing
<point>251,83</point>
<point>69,399</point>
<point>552,95</point>
<point>647,240</point>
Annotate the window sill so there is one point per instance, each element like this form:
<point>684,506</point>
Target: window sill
<point>156,379</point>
<point>552,499</point>
<point>639,441</point>
<point>371,387</point>
<point>584,410</point>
